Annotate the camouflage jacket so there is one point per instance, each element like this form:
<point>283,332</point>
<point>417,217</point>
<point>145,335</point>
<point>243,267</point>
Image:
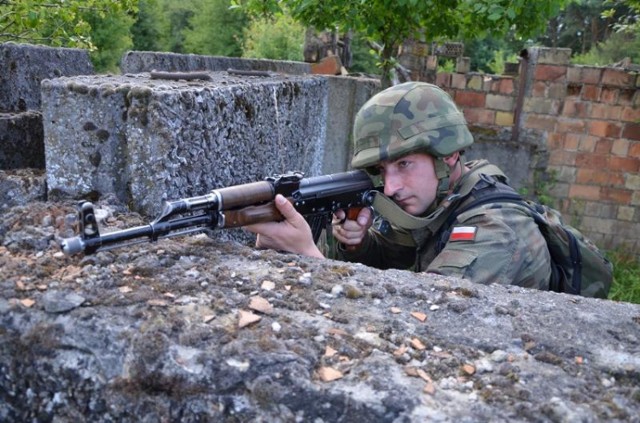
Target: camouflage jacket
<point>493,243</point>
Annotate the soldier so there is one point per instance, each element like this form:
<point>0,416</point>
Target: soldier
<point>413,137</point>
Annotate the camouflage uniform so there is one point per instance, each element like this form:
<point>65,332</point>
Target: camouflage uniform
<point>506,246</point>
<point>493,243</point>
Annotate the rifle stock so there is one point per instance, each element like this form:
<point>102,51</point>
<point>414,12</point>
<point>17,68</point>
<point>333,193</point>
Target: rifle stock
<point>316,198</point>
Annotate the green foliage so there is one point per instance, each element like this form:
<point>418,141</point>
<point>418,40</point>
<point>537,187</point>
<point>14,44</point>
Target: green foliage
<point>215,30</point>
<point>178,15</point>
<point>446,65</point>
<point>500,57</point>
<point>626,277</point>
<point>390,22</point>
<point>111,37</point>
<point>278,37</point>
<point>363,57</point>
<point>147,31</point>
<point>616,48</point>
<point>58,23</point>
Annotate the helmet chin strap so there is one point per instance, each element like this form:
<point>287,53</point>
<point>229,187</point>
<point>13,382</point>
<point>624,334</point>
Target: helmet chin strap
<point>443,173</point>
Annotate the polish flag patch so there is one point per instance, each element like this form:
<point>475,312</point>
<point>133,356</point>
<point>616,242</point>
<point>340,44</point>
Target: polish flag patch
<point>463,233</point>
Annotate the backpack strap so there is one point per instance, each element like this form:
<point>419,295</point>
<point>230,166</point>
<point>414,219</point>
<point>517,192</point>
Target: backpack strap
<point>537,212</point>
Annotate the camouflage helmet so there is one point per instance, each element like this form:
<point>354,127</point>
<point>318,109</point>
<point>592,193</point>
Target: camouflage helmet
<point>406,118</point>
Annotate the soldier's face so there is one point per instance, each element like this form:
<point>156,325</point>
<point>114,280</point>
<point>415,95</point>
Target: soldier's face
<point>410,181</point>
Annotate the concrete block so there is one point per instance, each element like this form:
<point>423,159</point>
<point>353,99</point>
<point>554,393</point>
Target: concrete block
<point>146,140</point>
<point>553,56</point>
<point>146,61</point>
<point>21,141</point>
<point>463,65</point>
<point>24,66</point>
<point>22,186</point>
<point>346,96</point>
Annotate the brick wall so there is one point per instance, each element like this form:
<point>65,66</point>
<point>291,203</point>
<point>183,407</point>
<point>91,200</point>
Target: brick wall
<point>587,121</point>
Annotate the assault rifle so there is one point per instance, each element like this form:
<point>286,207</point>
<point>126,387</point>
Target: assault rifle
<point>316,198</point>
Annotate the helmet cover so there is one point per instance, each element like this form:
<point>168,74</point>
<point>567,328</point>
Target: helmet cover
<point>408,118</point>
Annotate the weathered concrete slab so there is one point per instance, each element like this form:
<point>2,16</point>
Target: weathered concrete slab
<point>146,140</point>
<point>346,96</point>
<point>197,330</point>
<point>24,66</point>
<point>147,61</point>
<point>21,140</point>
<point>21,186</point>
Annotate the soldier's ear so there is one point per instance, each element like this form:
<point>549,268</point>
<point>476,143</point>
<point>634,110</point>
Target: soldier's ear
<point>452,159</point>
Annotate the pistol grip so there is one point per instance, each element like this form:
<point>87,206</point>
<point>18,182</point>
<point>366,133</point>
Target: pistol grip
<point>352,214</point>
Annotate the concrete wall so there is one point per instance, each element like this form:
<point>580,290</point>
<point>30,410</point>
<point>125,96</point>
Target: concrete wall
<point>146,140</point>
<point>22,68</point>
<point>147,61</point>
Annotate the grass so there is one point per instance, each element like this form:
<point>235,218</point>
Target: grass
<point>626,277</point>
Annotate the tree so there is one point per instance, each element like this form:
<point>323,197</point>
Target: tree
<point>60,23</point>
<point>278,38</point>
<point>390,22</point>
<point>215,30</point>
<point>112,37</point>
<point>146,31</point>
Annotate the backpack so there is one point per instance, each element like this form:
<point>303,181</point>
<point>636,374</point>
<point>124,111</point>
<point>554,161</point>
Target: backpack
<point>577,266</point>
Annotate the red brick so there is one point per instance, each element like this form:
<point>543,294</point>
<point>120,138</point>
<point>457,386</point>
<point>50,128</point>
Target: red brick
<point>621,196</point>
<point>576,109</point>
<point>601,128</point>
<point>458,81</point>
<point>571,141</point>
<point>562,158</point>
<point>620,147</point>
<point>556,141</point>
<point>574,74</point>
<point>549,72</point>
<point>330,65</point>
<point>626,97</point>
<point>585,192</point>
<point>592,161</point>
<point>631,131</point>
<point>570,125</point>
<point>505,86</point>
<point>543,122</point>
<point>482,116</point>
<point>630,114</point>
<point>587,144</point>
<point>591,75</point>
<point>470,99</point>
<point>609,95</point>
<point>539,89</point>
<point>573,90</point>
<point>603,146</point>
<point>605,111</point>
<point>592,177</point>
<point>618,78</point>
<point>557,90</point>
<point>443,80</point>
<point>616,179</point>
<point>590,92</point>
<point>625,164</point>
<point>634,149</point>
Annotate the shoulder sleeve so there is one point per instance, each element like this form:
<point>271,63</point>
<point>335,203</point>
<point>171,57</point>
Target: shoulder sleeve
<point>487,245</point>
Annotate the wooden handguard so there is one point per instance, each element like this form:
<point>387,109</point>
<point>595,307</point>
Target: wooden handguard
<point>251,214</point>
<point>242,195</point>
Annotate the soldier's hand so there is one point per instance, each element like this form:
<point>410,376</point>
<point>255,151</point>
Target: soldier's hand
<point>349,232</point>
<point>293,234</point>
